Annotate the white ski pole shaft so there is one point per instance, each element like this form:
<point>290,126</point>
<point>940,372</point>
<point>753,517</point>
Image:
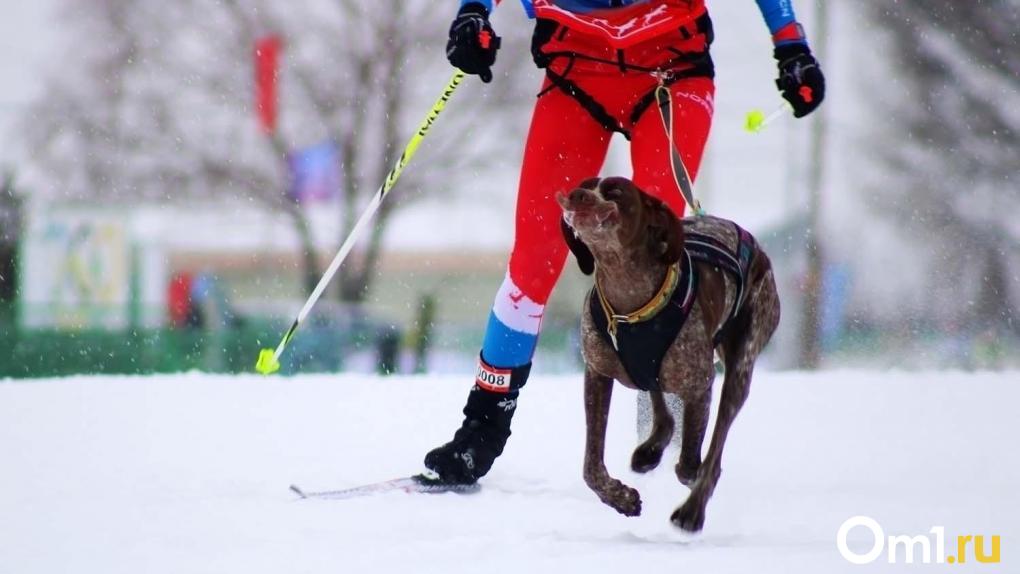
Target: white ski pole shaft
<point>269,360</point>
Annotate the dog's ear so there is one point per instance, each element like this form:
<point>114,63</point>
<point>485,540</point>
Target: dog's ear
<point>665,232</point>
<point>590,183</point>
<point>585,260</point>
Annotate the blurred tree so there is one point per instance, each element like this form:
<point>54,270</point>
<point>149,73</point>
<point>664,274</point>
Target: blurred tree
<point>951,144</point>
<point>810,356</point>
<point>11,219</point>
<point>157,103</point>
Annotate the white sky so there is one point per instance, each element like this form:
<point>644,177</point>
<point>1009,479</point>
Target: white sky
<point>27,36</point>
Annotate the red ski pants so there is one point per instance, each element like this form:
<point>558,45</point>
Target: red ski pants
<point>566,145</point>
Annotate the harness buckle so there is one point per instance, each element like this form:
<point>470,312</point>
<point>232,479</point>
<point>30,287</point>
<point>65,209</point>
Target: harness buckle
<point>663,77</point>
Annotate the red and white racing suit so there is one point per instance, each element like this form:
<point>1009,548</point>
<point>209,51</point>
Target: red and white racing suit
<point>602,70</point>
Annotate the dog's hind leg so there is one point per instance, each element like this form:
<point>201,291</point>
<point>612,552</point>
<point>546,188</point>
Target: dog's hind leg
<point>740,346</point>
<point>649,453</point>
<point>696,414</point>
<point>691,515</point>
<point>598,392</point>
<point>739,351</point>
<point>752,329</point>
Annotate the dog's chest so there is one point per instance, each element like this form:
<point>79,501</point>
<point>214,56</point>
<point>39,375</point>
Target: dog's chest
<point>639,349</point>
<point>641,344</point>
<point>686,360</point>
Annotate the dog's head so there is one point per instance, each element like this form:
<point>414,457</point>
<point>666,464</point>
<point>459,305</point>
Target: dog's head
<point>613,215</point>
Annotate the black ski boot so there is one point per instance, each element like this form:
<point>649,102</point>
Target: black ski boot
<point>481,438</point>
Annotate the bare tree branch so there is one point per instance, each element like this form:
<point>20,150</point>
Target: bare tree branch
<point>162,109</point>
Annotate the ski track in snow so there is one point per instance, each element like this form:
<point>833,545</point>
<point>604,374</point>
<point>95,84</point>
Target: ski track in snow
<point>189,474</point>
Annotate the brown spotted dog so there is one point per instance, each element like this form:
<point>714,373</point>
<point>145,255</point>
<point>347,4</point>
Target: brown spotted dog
<point>668,292</point>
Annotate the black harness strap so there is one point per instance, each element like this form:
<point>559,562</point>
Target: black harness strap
<point>590,104</point>
<point>597,111</point>
<point>700,60</point>
<point>710,250</point>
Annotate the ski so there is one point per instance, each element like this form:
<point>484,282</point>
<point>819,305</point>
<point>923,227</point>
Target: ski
<point>410,484</point>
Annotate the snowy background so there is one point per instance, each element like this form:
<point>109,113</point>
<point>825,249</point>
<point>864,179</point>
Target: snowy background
<point>157,127</point>
<point>141,114</point>
<point>190,474</point>
<point>746,177</point>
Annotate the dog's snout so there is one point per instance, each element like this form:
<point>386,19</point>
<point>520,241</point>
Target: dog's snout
<point>581,196</point>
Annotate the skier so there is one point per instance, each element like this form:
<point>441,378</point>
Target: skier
<point>604,60</point>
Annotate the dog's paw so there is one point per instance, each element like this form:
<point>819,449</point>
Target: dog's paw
<point>645,458</point>
<point>626,500</point>
<point>686,474</point>
<point>690,517</point>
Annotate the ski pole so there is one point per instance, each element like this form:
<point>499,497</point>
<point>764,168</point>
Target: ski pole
<point>269,359</point>
<point>757,121</point>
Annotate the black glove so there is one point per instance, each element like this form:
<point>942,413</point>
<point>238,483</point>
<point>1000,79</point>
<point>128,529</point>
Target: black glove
<point>473,44</point>
<point>800,78</point>
<point>545,29</point>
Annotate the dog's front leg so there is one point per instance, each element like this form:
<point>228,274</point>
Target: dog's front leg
<point>598,392</point>
<point>649,453</point>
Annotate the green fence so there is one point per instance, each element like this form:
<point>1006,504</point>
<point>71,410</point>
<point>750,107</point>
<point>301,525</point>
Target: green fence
<point>53,353</point>
<point>317,349</point>
<point>45,353</point>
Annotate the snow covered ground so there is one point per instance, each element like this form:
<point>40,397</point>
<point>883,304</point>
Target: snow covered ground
<point>189,474</point>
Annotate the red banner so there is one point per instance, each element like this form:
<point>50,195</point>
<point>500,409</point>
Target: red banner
<point>267,68</point>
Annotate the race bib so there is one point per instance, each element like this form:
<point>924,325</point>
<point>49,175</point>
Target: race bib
<point>493,379</point>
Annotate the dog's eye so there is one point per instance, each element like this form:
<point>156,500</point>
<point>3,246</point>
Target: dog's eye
<point>612,193</point>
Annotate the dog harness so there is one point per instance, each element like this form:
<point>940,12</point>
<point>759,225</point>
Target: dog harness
<point>560,55</point>
<point>642,338</point>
